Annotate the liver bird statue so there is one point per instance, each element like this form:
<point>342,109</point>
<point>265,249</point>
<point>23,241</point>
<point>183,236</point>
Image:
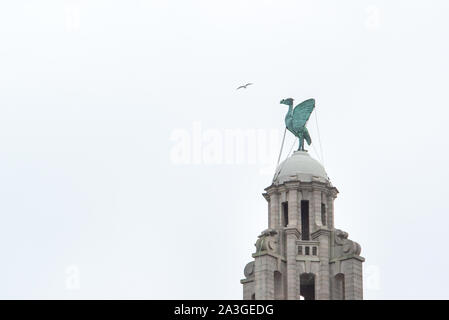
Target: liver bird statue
<point>296,119</point>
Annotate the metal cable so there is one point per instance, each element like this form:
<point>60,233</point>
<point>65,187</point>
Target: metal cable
<point>319,138</point>
<point>282,146</point>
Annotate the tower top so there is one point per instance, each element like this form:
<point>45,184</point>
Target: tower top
<point>300,166</point>
<point>302,255</point>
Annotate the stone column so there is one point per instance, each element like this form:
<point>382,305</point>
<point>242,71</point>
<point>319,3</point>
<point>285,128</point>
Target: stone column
<point>326,210</point>
<point>264,268</point>
<point>352,269</point>
<point>292,234</point>
<point>274,209</point>
<point>323,236</point>
<point>330,208</point>
<point>248,289</point>
<point>330,211</point>
<point>298,203</point>
<point>282,198</point>
<point>267,197</point>
<point>316,207</point>
<point>292,204</point>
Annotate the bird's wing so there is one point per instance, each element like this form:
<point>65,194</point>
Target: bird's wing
<point>248,84</point>
<point>240,87</point>
<point>302,112</point>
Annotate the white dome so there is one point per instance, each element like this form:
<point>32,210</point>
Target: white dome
<point>300,166</point>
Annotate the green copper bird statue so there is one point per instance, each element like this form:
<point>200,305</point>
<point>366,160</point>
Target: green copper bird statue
<point>296,119</point>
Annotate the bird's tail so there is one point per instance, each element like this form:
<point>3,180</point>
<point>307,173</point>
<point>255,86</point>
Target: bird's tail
<point>307,137</point>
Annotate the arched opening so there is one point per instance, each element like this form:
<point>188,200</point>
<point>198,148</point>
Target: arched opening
<point>284,214</point>
<point>278,287</point>
<point>323,214</point>
<point>339,291</point>
<point>307,286</point>
<point>305,220</point>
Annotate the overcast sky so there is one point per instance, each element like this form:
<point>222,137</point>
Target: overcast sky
<point>117,177</point>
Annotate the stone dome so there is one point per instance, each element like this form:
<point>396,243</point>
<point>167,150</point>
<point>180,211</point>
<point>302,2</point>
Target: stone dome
<point>300,166</point>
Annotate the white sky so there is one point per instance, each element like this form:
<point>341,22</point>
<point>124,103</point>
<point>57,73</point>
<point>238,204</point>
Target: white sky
<point>93,203</point>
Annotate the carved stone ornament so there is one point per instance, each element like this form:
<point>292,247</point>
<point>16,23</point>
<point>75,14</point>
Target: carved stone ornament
<point>249,270</point>
<point>346,246</point>
<point>267,241</point>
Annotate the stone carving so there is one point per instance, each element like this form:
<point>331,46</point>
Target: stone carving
<point>267,241</point>
<point>249,269</point>
<point>344,246</point>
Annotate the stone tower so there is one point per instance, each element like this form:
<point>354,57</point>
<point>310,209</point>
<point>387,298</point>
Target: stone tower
<point>301,255</point>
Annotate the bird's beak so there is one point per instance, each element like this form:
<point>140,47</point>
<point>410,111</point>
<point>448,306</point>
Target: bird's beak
<point>282,101</point>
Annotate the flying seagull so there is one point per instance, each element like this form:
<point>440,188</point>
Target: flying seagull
<point>244,86</point>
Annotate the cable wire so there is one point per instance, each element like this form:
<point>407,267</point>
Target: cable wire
<point>282,146</point>
<point>319,138</point>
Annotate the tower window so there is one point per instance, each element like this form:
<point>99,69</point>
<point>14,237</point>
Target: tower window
<point>300,250</point>
<point>307,251</point>
<point>285,213</point>
<point>339,290</point>
<point>305,219</point>
<point>314,251</point>
<point>323,214</point>
<point>278,286</point>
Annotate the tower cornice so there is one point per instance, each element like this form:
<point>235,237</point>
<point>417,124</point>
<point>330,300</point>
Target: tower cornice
<point>301,185</point>
<point>271,254</point>
<point>320,232</point>
<point>282,188</point>
<point>293,230</point>
<point>266,196</point>
<point>348,257</point>
<point>271,189</point>
<point>290,185</point>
